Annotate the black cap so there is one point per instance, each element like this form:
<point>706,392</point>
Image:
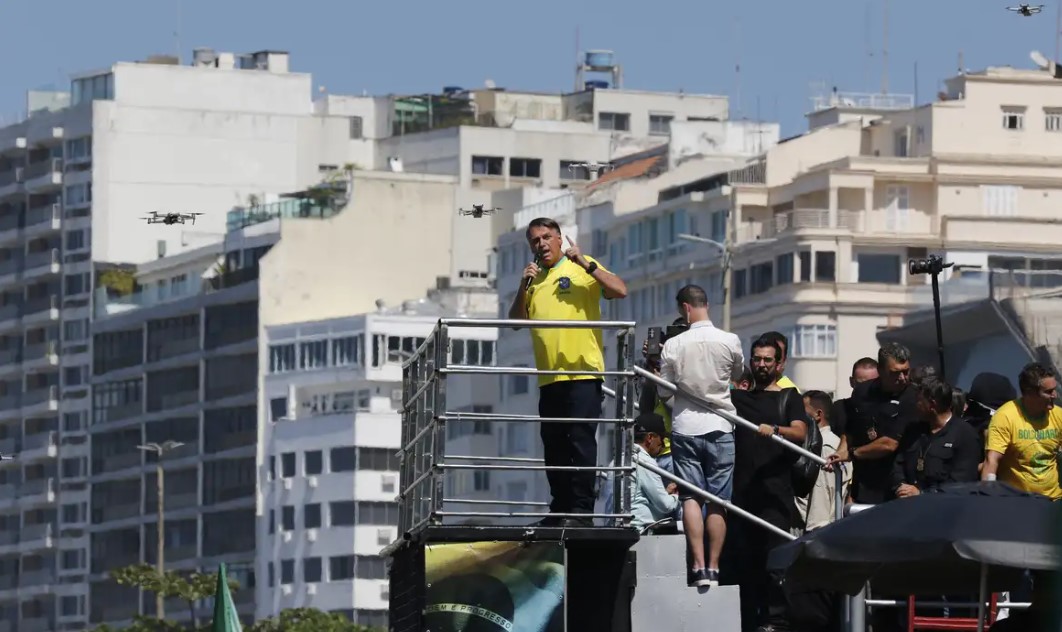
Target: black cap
<point>649,422</point>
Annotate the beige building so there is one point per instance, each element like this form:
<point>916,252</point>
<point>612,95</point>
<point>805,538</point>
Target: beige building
<point>825,223</point>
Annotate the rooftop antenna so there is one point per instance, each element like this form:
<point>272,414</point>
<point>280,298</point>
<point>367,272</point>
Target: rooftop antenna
<point>177,33</point>
<point>578,60</point>
<point>962,64</point>
<point>885,48</point>
<point>737,64</point>
<point>870,48</point>
<point>1058,34</point>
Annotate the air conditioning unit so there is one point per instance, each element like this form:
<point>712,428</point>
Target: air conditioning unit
<point>286,589</point>
<point>313,481</point>
<point>311,589</point>
<point>385,592</point>
<point>383,537</point>
<point>396,397</point>
<point>387,483</point>
<point>287,483</point>
<point>287,536</point>
<point>311,535</point>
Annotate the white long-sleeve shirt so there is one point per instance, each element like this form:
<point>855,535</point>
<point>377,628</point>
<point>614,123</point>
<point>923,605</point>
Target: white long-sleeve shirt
<point>703,361</point>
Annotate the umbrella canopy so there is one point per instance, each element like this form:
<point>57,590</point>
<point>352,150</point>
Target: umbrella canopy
<point>932,543</point>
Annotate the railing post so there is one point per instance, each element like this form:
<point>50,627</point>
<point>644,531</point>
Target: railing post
<point>438,420</point>
<point>623,440</point>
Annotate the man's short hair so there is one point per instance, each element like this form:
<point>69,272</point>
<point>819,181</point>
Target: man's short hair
<point>692,295</point>
<point>779,339</point>
<point>542,222</point>
<point>937,392</point>
<point>1030,377</point>
<point>746,375</point>
<point>923,372</point>
<point>646,423</point>
<point>820,400</point>
<point>958,402</point>
<point>764,341</point>
<point>864,363</point>
<point>894,351</point>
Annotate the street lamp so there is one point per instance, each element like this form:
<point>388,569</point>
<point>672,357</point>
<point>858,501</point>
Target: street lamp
<point>726,250</point>
<point>160,539</point>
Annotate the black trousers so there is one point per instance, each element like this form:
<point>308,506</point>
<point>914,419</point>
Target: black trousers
<point>763,600</point>
<point>570,443</point>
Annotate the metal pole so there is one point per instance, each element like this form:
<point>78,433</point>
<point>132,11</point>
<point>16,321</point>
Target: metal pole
<point>936,316</point>
<point>160,540</point>
<point>728,270</point>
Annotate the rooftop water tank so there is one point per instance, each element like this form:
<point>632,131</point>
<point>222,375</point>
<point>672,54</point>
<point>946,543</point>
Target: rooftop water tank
<point>595,85</point>
<point>451,90</point>
<point>599,58</point>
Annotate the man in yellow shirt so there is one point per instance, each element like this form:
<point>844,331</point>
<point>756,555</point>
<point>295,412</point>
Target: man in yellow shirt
<point>566,285</point>
<point>779,339</point>
<point>1025,435</point>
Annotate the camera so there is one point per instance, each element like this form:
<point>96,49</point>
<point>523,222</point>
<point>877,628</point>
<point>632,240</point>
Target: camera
<point>659,335</point>
<point>931,265</point>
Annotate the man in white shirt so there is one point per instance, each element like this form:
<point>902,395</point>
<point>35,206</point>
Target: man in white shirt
<point>820,507</point>
<point>702,362</point>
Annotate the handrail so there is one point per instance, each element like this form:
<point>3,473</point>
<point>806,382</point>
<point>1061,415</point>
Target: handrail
<point>729,416</point>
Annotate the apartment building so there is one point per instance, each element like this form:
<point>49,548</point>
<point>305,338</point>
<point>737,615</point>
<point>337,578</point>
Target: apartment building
<point>331,429</point>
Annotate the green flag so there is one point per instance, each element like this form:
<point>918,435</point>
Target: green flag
<point>225,617</point>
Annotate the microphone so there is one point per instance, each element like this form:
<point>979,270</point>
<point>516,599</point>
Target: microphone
<point>527,283</point>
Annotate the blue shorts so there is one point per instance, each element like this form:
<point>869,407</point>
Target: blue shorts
<point>705,461</point>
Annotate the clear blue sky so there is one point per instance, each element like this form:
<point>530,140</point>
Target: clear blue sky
<point>354,45</point>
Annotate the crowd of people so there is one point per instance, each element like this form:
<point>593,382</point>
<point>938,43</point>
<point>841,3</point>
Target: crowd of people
<point>903,431</point>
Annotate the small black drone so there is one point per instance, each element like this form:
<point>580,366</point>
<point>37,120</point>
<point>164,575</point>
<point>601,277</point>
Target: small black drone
<point>1026,9</point>
<point>170,218</point>
<point>477,211</point>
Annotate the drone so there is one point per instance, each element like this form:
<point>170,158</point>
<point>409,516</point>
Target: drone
<point>170,218</point>
<point>477,211</point>
<point>1026,9</point>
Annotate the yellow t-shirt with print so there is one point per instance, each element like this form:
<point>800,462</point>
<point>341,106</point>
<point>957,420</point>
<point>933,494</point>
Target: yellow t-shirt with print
<point>784,382</point>
<point>663,412</point>
<point>566,292</point>
<point>1028,447</point>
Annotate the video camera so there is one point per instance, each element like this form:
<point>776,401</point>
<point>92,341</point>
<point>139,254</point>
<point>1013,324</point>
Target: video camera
<point>659,335</point>
<point>933,265</point>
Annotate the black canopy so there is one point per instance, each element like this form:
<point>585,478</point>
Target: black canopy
<point>932,543</point>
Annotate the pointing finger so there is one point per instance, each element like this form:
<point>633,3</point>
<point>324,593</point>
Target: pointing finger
<point>571,243</point>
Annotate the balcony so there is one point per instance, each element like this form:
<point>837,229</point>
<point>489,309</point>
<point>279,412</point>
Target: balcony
<point>43,219</point>
<point>176,400</point>
<point>9,315</point>
<point>41,400</point>
<point>10,271</point>
<point>9,539</point>
<point>11,182</point>
<point>807,219</point>
<point>44,175</point>
<point>37,491</point>
<point>38,536</point>
<point>42,263</point>
<point>40,310</point>
<point>45,354</point>
<point>9,446</point>
<point>288,209</point>
<point>113,512</point>
<point>175,348</point>
<point>117,462</point>
<point>560,208</point>
<point>10,404</point>
<point>10,227</point>
<point>39,446</point>
<point>125,411</point>
<point>41,624</point>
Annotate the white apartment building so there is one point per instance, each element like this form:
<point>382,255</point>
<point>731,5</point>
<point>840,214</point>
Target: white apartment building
<point>331,430</point>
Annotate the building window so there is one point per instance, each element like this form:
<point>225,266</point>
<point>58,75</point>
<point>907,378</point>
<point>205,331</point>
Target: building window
<point>519,385</point>
<point>311,516</point>
<point>342,513</point>
<point>660,124</point>
<point>313,355</point>
<point>356,130</point>
<point>472,352</point>
<point>343,459</point>
<point>814,341</point>
<point>313,462</point>
<point>900,141</point>
<point>784,267</point>
<point>287,465</point>
<point>341,568</point>
<point>311,570</point>
<point>739,283</point>
<point>1053,120</point>
<point>287,571</point>
<point>281,358</point>
<point>761,277</point>
<point>287,518</point>
<point>1014,118</point>
<point>487,165</point>
<point>614,121</point>
<point>525,167</point>
<point>877,268</point>
<point>481,481</point>
<point>1000,201</point>
<point>346,351</point>
<point>825,266</point>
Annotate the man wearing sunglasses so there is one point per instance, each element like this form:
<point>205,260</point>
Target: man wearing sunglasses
<point>881,409</point>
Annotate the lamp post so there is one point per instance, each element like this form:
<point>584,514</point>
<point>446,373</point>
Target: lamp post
<point>160,538</point>
<point>726,250</point>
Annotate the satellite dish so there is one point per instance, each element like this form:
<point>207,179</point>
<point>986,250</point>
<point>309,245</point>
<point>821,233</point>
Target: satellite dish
<point>1040,60</point>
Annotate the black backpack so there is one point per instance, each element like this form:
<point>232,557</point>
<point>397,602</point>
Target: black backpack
<point>805,471</point>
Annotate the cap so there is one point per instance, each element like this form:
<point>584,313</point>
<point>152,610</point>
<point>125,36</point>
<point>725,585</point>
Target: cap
<point>649,422</point>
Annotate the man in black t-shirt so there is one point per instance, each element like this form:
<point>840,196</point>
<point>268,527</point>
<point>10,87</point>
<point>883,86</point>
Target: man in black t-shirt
<point>879,412</point>
<point>864,370</point>
<point>763,482</point>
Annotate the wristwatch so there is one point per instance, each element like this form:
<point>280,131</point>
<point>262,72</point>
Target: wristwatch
<point>776,430</point>
<point>592,268</point>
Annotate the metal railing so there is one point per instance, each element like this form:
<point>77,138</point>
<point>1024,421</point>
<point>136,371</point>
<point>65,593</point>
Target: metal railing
<point>424,460</point>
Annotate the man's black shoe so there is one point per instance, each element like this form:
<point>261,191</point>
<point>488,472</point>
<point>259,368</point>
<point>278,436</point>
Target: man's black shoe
<point>578,523</point>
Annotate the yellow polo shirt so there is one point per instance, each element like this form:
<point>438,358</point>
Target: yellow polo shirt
<point>663,412</point>
<point>1029,448</point>
<point>566,292</point>
<point>784,382</point>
